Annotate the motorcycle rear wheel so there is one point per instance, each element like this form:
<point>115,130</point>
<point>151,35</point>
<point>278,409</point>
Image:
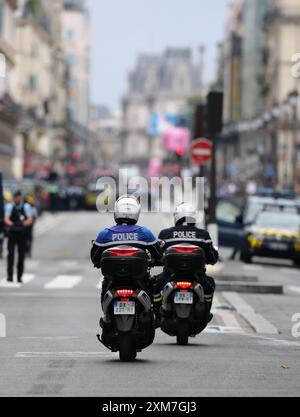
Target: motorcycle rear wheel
<point>127,352</point>
<point>182,333</point>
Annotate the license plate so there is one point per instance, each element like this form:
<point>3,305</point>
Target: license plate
<point>184,298</point>
<point>124,308</point>
<point>278,246</point>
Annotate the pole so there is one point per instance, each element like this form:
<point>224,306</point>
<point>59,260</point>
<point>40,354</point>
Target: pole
<point>213,185</point>
<point>1,202</point>
<point>214,127</point>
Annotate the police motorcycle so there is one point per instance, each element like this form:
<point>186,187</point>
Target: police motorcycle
<point>183,312</point>
<point>130,323</point>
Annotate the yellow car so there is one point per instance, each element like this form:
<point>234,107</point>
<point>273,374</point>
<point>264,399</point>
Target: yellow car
<point>274,234</point>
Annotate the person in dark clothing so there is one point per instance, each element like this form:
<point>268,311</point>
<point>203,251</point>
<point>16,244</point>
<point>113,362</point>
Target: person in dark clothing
<point>185,231</point>
<point>125,232</point>
<point>17,219</point>
<point>1,217</point>
<point>30,232</point>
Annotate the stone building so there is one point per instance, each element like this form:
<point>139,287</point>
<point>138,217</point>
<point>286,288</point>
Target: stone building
<point>158,84</point>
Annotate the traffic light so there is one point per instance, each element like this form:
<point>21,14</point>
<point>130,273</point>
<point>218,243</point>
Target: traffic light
<point>180,152</point>
<point>200,124</point>
<point>214,112</point>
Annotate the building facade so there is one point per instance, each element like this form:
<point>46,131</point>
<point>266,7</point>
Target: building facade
<point>158,84</point>
<point>40,87</point>
<point>261,106</point>
<point>107,130</point>
<point>76,44</point>
<point>283,34</point>
<point>9,111</point>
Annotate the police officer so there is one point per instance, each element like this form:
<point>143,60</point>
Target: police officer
<point>185,231</point>
<point>125,232</point>
<point>17,219</point>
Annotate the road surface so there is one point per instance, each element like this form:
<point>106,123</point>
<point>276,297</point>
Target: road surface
<point>50,348</point>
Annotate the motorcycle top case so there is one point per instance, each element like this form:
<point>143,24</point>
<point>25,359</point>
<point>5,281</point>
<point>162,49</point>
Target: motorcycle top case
<point>119,265</point>
<point>185,259</point>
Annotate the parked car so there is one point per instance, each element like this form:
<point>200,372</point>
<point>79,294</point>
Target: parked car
<point>232,218</point>
<point>275,234</point>
<point>230,223</point>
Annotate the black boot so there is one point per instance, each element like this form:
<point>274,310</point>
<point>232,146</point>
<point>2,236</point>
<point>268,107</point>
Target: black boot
<point>208,305</point>
<point>157,303</point>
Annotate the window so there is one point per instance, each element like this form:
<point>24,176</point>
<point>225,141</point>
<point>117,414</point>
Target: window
<point>33,82</point>
<point>71,59</point>
<point>70,35</point>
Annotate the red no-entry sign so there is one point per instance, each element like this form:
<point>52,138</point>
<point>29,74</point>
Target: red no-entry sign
<point>201,151</point>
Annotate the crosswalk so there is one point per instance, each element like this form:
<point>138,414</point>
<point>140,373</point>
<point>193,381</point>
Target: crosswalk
<point>63,282</point>
<point>59,282</point>
<point>232,313</point>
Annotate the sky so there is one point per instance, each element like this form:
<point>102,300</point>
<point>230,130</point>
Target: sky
<point>121,29</point>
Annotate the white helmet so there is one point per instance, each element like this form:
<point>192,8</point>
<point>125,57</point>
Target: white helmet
<point>127,209</point>
<point>187,212</point>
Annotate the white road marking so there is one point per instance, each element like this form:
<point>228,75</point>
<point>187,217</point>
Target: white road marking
<point>222,329</point>
<point>27,278</point>
<point>48,337</point>
<point>63,282</point>
<point>290,271</point>
<point>294,289</point>
<point>252,268</point>
<point>227,317</point>
<point>276,342</point>
<point>63,354</point>
<point>5,284</point>
<point>256,321</point>
<point>230,321</point>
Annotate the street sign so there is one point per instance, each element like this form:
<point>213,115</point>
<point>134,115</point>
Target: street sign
<point>201,151</point>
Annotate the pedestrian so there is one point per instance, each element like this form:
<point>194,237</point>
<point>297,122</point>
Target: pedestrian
<point>30,231</point>
<point>18,218</point>
<point>1,217</point>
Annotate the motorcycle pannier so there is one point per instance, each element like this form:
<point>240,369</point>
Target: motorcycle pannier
<point>184,258</point>
<point>124,262</point>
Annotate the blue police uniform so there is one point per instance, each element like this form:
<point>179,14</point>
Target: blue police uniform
<point>133,235</point>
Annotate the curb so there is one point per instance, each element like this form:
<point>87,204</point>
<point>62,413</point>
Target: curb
<point>256,321</point>
<point>252,288</point>
<point>237,278</point>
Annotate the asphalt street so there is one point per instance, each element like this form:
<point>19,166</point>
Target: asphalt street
<point>50,348</point>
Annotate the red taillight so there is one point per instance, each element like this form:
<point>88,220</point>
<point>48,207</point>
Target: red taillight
<point>125,293</point>
<point>184,285</point>
<point>123,251</point>
<point>185,249</point>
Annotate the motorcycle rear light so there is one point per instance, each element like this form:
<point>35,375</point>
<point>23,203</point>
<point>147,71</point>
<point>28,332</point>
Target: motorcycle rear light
<point>123,252</point>
<point>184,285</point>
<point>186,249</point>
<point>125,293</point>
